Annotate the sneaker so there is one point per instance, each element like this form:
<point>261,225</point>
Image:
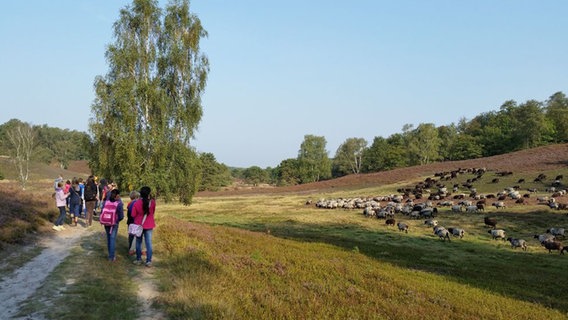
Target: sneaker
<point>148,264</point>
<point>137,262</point>
<point>112,259</point>
<point>61,227</point>
<point>56,228</point>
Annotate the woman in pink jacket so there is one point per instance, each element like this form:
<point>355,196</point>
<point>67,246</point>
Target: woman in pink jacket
<point>143,214</point>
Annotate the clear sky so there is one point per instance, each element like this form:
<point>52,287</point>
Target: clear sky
<point>284,69</point>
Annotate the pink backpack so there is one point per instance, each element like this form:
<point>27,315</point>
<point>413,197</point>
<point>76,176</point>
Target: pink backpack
<point>108,216</point>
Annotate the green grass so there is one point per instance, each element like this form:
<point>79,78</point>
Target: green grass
<point>87,286</point>
<point>343,263</point>
<point>273,257</point>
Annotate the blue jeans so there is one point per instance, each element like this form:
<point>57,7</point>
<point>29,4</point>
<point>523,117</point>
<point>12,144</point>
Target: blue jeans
<point>111,233</point>
<point>75,209</point>
<point>147,235</point>
<point>61,218</point>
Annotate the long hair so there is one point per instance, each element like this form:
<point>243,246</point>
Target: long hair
<point>145,195</point>
<point>113,194</point>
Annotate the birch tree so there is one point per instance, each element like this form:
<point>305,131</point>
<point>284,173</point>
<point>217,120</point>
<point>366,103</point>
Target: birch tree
<point>21,139</point>
<point>148,106</point>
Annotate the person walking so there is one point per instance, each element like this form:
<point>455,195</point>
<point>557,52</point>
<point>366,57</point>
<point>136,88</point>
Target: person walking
<point>113,203</point>
<point>61,203</point>
<point>134,195</point>
<point>74,201</point>
<point>90,195</point>
<point>143,210</point>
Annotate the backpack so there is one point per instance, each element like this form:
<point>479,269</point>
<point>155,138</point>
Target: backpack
<point>90,192</point>
<point>108,216</point>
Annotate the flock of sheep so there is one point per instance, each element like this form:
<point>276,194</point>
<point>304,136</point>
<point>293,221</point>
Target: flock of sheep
<point>423,200</point>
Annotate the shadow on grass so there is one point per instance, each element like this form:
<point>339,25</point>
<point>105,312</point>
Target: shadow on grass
<point>532,276</point>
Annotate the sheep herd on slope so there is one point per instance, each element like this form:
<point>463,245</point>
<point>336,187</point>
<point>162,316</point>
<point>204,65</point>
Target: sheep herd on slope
<point>425,199</point>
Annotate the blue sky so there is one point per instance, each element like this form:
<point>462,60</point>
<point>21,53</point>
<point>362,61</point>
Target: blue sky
<point>284,69</point>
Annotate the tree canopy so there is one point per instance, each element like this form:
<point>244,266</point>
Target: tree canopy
<point>148,105</point>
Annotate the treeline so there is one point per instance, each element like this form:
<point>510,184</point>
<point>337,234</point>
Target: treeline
<point>49,145</point>
<point>511,128</point>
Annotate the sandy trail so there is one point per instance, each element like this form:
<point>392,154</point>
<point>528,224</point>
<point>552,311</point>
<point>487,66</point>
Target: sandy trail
<point>22,283</point>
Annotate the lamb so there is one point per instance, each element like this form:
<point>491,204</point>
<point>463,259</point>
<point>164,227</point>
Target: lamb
<point>518,243</point>
<point>554,245</point>
<point>557,232</point>
<point>457,232</point>
<point>544,237</point>
<point>402,227</point>
<point>497,234</point>
<point>490,221</point>
<point>390,222</point>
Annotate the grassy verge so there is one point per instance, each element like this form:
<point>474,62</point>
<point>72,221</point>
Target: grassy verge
<point>87,286</point>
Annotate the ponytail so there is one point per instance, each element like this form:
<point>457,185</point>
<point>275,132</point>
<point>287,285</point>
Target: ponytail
<point>145,195</point>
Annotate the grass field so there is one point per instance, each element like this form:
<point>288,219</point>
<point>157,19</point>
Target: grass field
<point>271,256</point>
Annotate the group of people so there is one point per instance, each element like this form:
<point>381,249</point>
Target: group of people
<point>83,199</point>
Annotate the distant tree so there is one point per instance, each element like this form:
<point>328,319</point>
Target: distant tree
<point>313,161</point>
<point>214,175</point>
<point>287,172</point>
<point>465,147</point>
<point>424,144</point>
<point>21,138</point>
<point>556,111</point>
<point>531,128</point>
<point>349,156</point>
<point>255,175</point>
<point>148,105</point>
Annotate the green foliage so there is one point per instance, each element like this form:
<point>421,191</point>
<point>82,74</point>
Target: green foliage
<point>148,105</point>
<point>214,175</point>
<point>255,175</point>
<point>349,157</point>
<point>287,172</point>
<point>313,162</point>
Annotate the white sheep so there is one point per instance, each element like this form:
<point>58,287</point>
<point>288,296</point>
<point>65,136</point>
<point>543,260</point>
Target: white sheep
<point>557,232</point>
<point>542,238</point>
<point>497,234</point>
<point>499,204</point>
<point>443,233</point>
<point>457,232</point>
<point>518,243</point>
<point>431,222</point>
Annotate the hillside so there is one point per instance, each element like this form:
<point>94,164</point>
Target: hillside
<point>551,157</point>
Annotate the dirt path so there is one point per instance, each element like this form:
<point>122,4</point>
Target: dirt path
<point>23,282</point>
<point>17,287</point>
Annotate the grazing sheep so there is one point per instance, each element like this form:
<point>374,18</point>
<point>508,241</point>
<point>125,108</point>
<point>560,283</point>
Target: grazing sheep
<point>497,234</point>
<point>518,243</point>
<point>499,204</point>
<point>490,221</point>
<point>554,245</point>
<point>542,238</point>
<point>390,222</point>
<point>402,227</point>
<point>431,222</point>
<point>457,232</point>
<point>457,208</point>
<point>557,232</point>
<point>443,233</point>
